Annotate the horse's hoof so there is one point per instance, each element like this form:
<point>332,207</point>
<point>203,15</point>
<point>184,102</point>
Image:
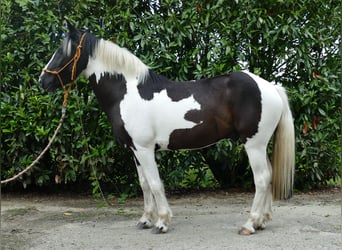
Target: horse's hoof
<point>159,230</point>
<point>144,225</point>
<point>261,227</point>
<point>245,231</point>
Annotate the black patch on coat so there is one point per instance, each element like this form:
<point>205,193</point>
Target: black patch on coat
<point>230,108</point>
<point>155,83</point>
<point>110,90</point>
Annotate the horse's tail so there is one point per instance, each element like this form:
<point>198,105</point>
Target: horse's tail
<point>283,160</point>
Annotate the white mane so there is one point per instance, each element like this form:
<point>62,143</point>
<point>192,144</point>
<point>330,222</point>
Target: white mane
<point>111,58</point>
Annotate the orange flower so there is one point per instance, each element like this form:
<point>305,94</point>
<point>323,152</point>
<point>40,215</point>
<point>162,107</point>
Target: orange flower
<point>305,129</point>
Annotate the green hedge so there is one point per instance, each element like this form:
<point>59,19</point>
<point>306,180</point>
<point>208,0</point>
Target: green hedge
<point>295,43</point>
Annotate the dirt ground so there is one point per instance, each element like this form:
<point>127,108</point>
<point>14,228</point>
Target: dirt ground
<point>207,220</point>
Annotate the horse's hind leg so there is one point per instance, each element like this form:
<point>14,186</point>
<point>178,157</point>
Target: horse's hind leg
<point>262,172</point>
<point>268,200</point>
<point>153,188</point>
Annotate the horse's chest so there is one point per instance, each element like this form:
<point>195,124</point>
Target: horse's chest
<point>152,121</point>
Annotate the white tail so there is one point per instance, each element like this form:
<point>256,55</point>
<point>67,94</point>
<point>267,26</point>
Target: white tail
<point>283,153</point>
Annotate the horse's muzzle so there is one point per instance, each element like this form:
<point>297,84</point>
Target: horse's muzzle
<point>49,82</point>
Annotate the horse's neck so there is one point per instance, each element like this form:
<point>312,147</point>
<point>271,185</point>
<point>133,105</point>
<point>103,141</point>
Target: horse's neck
<point>109,90</point>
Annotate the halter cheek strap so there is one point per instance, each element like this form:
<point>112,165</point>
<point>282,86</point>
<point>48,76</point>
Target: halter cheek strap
<point>73,60</point>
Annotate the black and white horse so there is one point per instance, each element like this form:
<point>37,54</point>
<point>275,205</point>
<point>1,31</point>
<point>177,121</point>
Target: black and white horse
<point>148,112</point>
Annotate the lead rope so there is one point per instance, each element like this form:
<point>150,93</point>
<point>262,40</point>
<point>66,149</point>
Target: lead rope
<point>65,103</point>
<point>105,200</point>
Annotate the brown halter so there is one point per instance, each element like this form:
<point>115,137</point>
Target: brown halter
<point>73,71</point>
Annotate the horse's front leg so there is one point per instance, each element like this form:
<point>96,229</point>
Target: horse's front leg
<point>153,190</point>
<point>146,220</point>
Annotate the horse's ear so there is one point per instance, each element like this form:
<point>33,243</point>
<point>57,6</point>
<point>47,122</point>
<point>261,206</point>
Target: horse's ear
<point>70,26</point>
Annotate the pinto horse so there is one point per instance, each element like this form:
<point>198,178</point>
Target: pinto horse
<point>148,112</point>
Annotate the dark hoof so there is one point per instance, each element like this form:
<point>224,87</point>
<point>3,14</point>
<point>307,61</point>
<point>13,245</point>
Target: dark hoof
<point>158,230</point>
<point>143,225</point>
<point>245,231</point>
<point>260,227</point>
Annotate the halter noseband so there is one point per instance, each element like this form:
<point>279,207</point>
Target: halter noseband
<point>73,71</point>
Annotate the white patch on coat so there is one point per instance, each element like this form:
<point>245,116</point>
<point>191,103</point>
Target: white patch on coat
<point>47,65</point>
<point>152,121</point>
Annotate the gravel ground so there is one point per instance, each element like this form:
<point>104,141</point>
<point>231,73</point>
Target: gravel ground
<point>207,220</point>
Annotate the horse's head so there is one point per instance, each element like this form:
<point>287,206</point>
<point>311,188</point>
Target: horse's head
<point>66,63</point>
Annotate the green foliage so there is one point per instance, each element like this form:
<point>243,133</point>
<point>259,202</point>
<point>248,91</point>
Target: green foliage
<point>229,164</point>
<point>295,43</point>
<point>318,138</point>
